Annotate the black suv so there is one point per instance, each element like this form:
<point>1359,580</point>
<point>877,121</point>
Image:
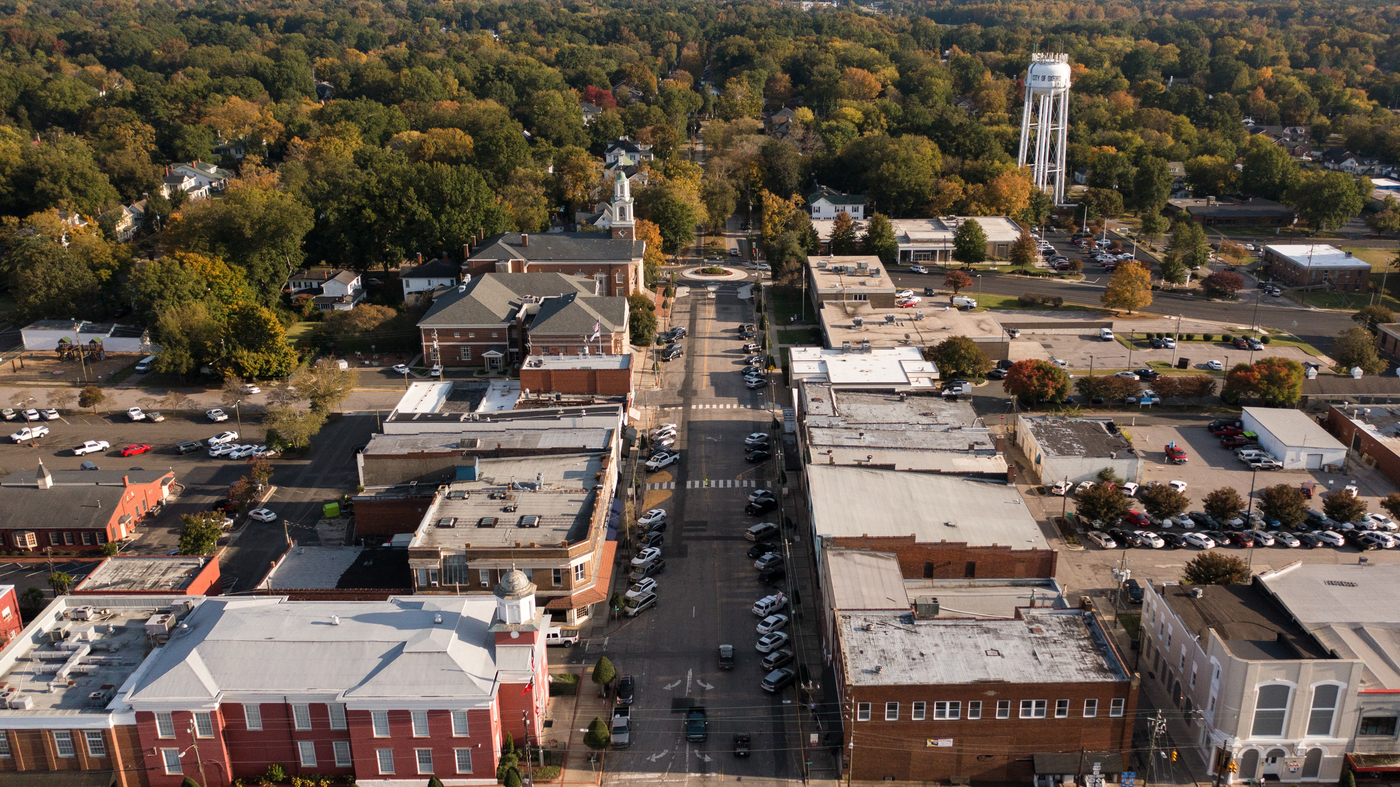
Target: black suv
<point>760,506</point>
<point>672,352</point>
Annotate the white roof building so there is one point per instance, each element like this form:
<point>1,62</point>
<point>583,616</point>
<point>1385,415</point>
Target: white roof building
<point>865,368</point>
<point>1293,438</point>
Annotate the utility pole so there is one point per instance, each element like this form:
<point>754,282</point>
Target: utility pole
<point>1158,728</point>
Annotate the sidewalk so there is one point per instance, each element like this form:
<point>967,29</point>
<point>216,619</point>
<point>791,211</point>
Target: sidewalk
<point>570,717</point>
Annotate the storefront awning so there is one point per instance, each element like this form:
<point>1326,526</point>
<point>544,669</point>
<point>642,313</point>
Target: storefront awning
<point>1374,763</point>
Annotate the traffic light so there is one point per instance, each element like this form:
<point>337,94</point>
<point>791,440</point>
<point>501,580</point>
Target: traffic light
<point>1232,767</point>
<point>1173,755</point>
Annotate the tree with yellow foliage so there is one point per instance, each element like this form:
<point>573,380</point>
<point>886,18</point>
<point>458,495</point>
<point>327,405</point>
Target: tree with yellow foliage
<point>653,257</point>
<point>240,120</point>
<point>1129,289</point>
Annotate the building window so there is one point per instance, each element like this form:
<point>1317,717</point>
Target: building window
<point>1324,707</point>
<point>165,725</point>
<point>1193,674</point>
<point>68,539</point>
<point>203,725</point>
<point>892,711</point>
<point>459,724</point>
<point>1091,708</point>
<point>1370,725</point>
<point>974,710</point>
<point>252,717</point>
<point>306,753</point>
<point>171,758</point>
<point>1181,662</point>
<point>1062,709</point>
<point>342,754</point>
<point>485,576</point>
<point>1003,709</point>
<point>465,354</point>
<point>4,744</point>
<point>420,724</point>
<point>379,719</point>
<point>947,711</point>
<point>578,573</point>
<point>558,577</point>
<point>87,538</point>
<point>63,743</point>
<point>1115,707</point>
<point>337,713</point>
<point>1033,709</point>
<point>917,712</point>
<point>1270,708</point>
<point>97,746</point>
<point>425,760</point>
<point>464,760</point>
<point>54,538</point>
<point>386,760</point>
<point>301,717</point>
<point>862,711</point>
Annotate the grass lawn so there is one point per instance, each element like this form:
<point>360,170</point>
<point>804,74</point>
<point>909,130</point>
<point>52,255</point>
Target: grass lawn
<point>787,301</point>
<point>563,684</point>
<point>801,336</point>
<point>1011,302</point>
<point>1378,258</point>
<point>1348,301</point>
<point>1131,622</point>
<point>301,332</point>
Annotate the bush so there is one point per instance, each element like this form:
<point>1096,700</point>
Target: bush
<point>546,773</point>
<point>1027,299</point>
<point>1264,339</point>
<point>1207,337</point>
<point>276,773</point>
<point>1190,337</point>
<point>563,685</point>
<point>1225,337</point>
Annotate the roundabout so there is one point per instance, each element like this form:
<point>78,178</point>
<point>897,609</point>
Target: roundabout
<point>727,274</point>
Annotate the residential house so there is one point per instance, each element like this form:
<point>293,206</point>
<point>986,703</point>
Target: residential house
<point>172,182</point>
<point>825,203</point>
<point>429,276</point>
<point>590,112</point>
<point>129,220</point>
<point>77,509</point>
<point>1177,170</point>
<point>780,123</point>
<point>1343,160</point>
<point>491,321</point>
<point>208,176</point>
<point>1262,697</point>
<point>635,151</point>
<point>331,289</point>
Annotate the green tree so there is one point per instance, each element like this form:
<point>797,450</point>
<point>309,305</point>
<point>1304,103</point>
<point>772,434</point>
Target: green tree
<point>1102,503</point>
<point>1268,170</point>
<point>1162,501</point>
<point>1283,504</point>
<point>155,287</point>
<point>1153,225</point>
<point>1342,506</point>
<point>1357,347</point>
<point>641,322</point>
<point>293,426</point>
<point>1130,288</point>
<point>1391,504</point>
<point>843,235</point>
<point>1152,184</point>
<point>92,397</point>
<point>199,533</point>
<point>1385,220</point>
<point>189,335</point>
<point>62,582</point>
<point>604,674</point>
<point>958,357</point>
<point>1032,380</point>
<point>513,776</point>
<point>1215,568</point>
<point>256,228</point>
<point>433,781</point>
<point>1023,251</point>
<point>1211,175</point>
<point>325,385</point>
<point>676,219</point>
<point>1188,244</point>
<point>1223,503</point>
<point>33,598</point>
<point>970,243</point>
<point>188,782</point>
<point>956,280</point>
<point>879,239</point>
<point>1325,200</point>
<point>1374,316</point>
<point>59,171</point>
<point>1277,382</point>
<point>598,737</point>
<point>255,344</point>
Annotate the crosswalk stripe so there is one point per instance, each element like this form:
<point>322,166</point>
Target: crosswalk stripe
<point>713,483</point>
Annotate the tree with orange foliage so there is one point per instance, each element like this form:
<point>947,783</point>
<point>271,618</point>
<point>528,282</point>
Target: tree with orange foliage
<point>857,84</point>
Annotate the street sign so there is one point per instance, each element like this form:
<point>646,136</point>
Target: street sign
<point>1127,779</point>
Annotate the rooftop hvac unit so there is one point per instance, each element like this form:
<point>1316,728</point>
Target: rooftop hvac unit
<point>845,347</point>
<point>857,321</point>
<point>874,271</point>
<point>860,266</point>
<point>159,625</point>
<point>890,318</point>
<point>21,702</point>
<point>865,345</point>
<point>821,265</point>
<point>83,613</point>
<point>918,315</point>
<point>926,607</point>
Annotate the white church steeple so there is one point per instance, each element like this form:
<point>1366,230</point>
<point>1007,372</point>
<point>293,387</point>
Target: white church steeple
<point>622,223</point>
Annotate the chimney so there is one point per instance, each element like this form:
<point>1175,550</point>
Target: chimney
<point>420,258</point>
<point>126,481</point>
<point>466,252</point>
<point>444,255</point>
<point>525,239</point>
<point>44,480</point>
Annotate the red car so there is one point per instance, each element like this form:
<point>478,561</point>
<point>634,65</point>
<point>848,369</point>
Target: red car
<point>1236,441</point>
<point>133,450</point>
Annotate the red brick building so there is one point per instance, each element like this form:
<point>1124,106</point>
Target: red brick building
<point>10,622</point>
<point>77,509</point>
<point>599,375</point>
<point>153,575</point>
<point>495,320</point>
<point>955,560</point>
<point>978,700</point>
<point>613,260</point>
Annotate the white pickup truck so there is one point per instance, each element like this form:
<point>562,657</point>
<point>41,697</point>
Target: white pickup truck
<point>29,433</point>
<point>555,635</point>
<point>621,727</point>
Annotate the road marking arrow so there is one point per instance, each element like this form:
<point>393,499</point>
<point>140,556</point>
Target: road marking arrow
<point>703,684</point>
<point>670,686</point>
<point>659,755</point>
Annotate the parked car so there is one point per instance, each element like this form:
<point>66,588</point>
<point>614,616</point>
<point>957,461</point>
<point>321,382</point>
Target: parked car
<point>771,641</point>
<point>662,460</point>
<point>653,517</point>
<point>1173,540</point>
<point>760,507</point>
<point>262,515</point>
<point>1199,540</point>
<point>646,556</point>
<point>189,446</point>
<point>91,447</point>
<point>761,532</point>
<point>1149,539</point>
<point>135,414</point>
<point>778,679</point>
<point>29,433</point>
<point>1215,366</point>
<point>135,449</point>
<point>761,548</point>
<point>1102,540</point>
<point>772,623</point>
<point>757,455</point>
<point>761,494</point>
<point>770,560</point>
<point>223,438</point>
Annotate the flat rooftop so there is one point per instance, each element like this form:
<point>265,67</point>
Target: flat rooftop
<point>1353,609</point>
<point>1382,423</point>
<point>557,490</point>
<point>986,598</point>
<point>937,231</point>
<point>488,440</point>
<point>1046,646</point>
<point>1318,256</point>
<point>1293,428</point>
<point>848,277</point>
<point>533,418</point>
<point>566,362</point>
<point>123,574</point>
<point>926,325</point>
<point>500,396</point>
<point>102,642</point>
<point>827,407</point>
<point>877,367</point>
<point>932,508</point>
<point>441,397</point>
<point>341,568</point>
<point>862,580</point>
<point>1077,436</point>
<point>1247,620</point>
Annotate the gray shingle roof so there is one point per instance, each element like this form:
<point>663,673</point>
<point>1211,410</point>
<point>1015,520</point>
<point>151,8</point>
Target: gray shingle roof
<point>495,298</point>
<point>577,314</point>
<point>559,247</point>
<point>77,499</point>
<point>433,269</point>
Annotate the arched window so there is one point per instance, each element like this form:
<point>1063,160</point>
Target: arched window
<point>1271,709</point>
<point>1312,764</point>
<point>1324,709</point>
<point>1249,765</point>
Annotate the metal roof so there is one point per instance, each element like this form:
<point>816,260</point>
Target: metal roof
<point>1293,428</point>
<point>1352,608</point>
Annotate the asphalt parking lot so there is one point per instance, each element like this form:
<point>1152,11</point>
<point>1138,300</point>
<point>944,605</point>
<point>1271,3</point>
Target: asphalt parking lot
<point>302,483</point>
<point>1086,351</point>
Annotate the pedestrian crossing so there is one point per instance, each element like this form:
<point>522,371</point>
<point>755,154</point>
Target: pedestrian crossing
<point>729,406</point>
<point>712,483</point>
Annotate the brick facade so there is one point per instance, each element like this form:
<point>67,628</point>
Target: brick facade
<point>1380,454</point>
<point>614,343</point>
<point>128,503</point>
<point>602,382</point>
<point>112,749</point>
<point>986,749</point>
<point>951,560</point>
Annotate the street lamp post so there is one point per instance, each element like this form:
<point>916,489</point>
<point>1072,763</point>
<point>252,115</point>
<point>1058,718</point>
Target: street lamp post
<point>1176,341</point>
<point>979,290</point>
<point>198,760</point>
<point>1254,321</point>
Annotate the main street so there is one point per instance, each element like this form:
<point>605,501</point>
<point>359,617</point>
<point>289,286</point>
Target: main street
<point>709,583</point>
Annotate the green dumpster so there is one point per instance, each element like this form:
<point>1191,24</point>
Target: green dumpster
<point>330,510</point>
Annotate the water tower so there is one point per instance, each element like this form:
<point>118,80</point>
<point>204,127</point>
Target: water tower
<point>1045,123</point>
